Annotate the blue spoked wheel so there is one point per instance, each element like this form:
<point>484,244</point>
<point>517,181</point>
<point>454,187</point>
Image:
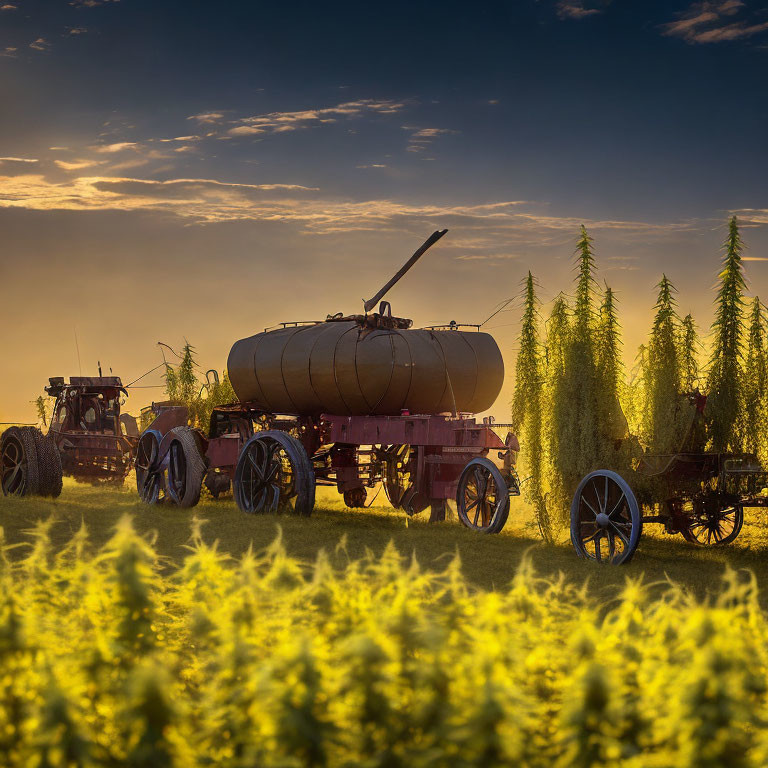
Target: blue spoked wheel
<point>605,518</point>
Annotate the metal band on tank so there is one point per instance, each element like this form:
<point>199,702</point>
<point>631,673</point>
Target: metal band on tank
<point>357,375</point>
<point>410,368</point>
<point>354,365</point>
<point>282,357</point>
<point>256,373</point>
<point>391,372</point>
<point>447,372</point>
<point>477,367</point>
<point>309,364</point>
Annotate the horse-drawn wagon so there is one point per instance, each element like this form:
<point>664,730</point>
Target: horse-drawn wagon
<point>696,493</point>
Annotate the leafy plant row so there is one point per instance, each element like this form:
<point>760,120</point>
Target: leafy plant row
<point>113,657</point>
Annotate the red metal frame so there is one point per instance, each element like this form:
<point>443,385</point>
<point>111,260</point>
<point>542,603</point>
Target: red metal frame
<point>345,450</point>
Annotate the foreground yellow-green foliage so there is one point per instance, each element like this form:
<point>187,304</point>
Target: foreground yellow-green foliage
<point>114,657</point>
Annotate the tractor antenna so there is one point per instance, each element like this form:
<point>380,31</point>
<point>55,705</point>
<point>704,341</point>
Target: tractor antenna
<point>77,347</point>
<point>98,362</point>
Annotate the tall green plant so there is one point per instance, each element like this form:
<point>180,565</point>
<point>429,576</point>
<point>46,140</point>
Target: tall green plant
<point>663,379</point>
<point>610,370</point>
<point>527,405</point>
<point>755,417</point>
<point>579,441</point>
<point>688,354</point>
<point>725,391</point>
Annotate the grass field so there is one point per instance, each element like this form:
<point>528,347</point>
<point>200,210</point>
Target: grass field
<point>142,643</point>
<point>488,562</point>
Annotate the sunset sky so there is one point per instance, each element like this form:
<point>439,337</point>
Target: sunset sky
<point>203,170</point>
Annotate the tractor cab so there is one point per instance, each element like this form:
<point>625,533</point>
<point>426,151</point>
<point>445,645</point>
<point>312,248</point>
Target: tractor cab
<point>87,405</point>
<point>94,438</point>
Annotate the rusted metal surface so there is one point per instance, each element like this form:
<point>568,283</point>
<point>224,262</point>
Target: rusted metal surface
<point>94,439</point>
<point>333,368</point>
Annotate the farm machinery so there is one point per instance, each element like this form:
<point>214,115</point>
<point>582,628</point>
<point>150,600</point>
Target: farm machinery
<point>353,401</point>
<point>696,493</point>
<point>88,439</point>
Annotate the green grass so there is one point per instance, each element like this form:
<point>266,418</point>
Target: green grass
<point>487,561</point>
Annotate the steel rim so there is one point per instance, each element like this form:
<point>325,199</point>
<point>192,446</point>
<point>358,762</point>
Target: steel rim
<point>268,478</point>
<point>14,463</point>
<point>148,480</point>
<point>606,520</point>
<point>481,500</point>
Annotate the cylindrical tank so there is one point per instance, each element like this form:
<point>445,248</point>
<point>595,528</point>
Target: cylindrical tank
<point>342,368</point>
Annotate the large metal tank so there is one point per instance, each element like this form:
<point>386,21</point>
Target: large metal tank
<point>342,368</point>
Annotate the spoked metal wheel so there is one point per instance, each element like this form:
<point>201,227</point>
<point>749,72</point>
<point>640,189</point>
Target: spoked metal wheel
<point>714,527</point>
<point>399,479</point>
<point>605,518</point>
<point>150,479</point>
<point>18,455</point>
<point>186,468</point>
<point>274,474</point>
<point>482,497</point>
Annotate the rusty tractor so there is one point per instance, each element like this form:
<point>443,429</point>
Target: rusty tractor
<point>88,439</point>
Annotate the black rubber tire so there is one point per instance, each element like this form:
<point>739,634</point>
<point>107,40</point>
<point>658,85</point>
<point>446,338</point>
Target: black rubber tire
<point>185,442</point>
<point>24,436</point>
<point>49,465</point>
<point>301,465</point>
<point>500,514</point>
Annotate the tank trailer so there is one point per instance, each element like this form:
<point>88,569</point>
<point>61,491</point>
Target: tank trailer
<point>351,401</point>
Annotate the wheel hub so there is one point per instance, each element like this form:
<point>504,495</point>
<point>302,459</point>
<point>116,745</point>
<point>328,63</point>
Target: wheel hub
<point>603,520</point>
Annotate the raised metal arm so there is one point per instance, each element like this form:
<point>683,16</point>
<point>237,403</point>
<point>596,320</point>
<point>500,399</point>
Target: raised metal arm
<point>428,243</point>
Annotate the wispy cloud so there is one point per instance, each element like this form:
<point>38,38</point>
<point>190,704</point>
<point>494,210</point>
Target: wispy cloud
<point>754,217</point>
<point>421,138</point>
<point>210,118</point>
<point>8,7</point>
<point>90,3</point>
<point>487,231</point>
<point>119,146</point>
<point>76,30</point>
<point>715,21</point>
<point>281,122</point>
<point>76,165</point>
<point>9,52</point>
<point>576,9</point>
<point>41,44</point>
<point>18,160</point>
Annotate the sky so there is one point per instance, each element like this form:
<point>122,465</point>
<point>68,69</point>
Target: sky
<point>200,170</point>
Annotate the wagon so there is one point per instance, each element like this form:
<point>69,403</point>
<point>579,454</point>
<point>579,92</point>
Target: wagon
<point>698,494</point>
<point>356,402</point>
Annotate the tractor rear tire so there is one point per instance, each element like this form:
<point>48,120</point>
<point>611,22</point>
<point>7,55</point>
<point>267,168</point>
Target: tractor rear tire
<point>18,449</point>
<point>49,465</point>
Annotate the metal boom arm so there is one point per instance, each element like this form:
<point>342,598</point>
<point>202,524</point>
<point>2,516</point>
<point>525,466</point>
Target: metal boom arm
<point>428,243</point>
